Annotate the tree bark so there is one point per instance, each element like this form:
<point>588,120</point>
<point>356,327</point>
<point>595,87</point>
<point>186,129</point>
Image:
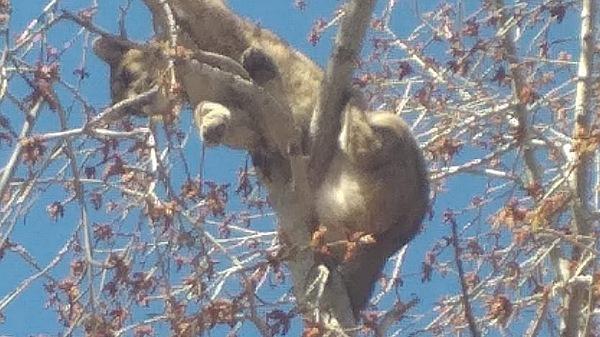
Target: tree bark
<point>578,299</point>
<point>335,89</point>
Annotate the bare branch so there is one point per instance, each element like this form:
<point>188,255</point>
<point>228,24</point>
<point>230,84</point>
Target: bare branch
<point>119,110</point>
<point>579,304</point>
<point>468,312</point>
<point>13,161</point>
<point>519,86</point>
<point>7,299</point>
<point>393,316</point>
<point>94,29</point>
<point>335,89</point>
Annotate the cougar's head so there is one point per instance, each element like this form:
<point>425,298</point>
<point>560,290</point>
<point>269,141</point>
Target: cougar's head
<point>135,71</point>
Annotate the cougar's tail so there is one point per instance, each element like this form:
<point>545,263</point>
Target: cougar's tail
<point>362,271</point>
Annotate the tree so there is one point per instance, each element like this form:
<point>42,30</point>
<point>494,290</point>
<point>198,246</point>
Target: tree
<point>490,91</point>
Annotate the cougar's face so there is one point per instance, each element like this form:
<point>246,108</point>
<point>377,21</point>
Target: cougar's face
<point>133,72</point>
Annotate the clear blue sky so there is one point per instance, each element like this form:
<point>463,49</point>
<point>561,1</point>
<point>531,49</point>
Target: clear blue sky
<point>43,238</point>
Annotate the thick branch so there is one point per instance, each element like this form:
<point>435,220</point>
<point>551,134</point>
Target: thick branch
<point>319,291</point>
<point>326,120</point>
<point>293,205</point>
<point>578,301</point>
<point>581,180</point>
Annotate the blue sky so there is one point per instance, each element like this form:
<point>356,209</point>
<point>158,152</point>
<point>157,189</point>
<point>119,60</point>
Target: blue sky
<point>43,238</point>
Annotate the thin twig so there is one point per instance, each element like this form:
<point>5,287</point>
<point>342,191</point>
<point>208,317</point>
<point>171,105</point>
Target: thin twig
<point>463,283</point>
<point>14,159</point>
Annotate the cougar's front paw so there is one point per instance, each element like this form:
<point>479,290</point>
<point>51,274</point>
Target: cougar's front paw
<point>213,120</point>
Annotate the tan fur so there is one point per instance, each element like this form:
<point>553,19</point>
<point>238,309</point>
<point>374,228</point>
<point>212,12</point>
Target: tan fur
<point>377,182</point>
<point>212,27</point>
<point>376,179</point>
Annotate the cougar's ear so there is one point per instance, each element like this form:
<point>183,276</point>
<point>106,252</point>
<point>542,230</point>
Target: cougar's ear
<point>109,50</point>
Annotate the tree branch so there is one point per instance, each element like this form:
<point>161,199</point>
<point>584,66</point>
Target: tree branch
<point>329,307</point>
<point>95,29</point>
<point>324,303</point>
<point>335,89</point>
<point>519,84</point>
<point>576,318</point>
<point>15,158</point>
<point>468,312</point>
